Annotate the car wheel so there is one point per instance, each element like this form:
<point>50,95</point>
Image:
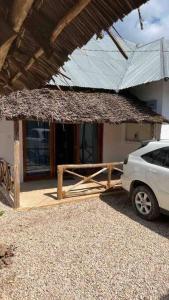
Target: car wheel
<point>145,203</point>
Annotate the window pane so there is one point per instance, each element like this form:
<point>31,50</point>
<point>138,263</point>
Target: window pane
<point>37,148</point>
<point>89,143</point>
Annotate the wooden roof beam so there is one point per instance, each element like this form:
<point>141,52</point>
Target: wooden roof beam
<point>20,10</point>
<point>63,23</point>
<point>68,18</point>
<point>116,42</point>
<point>7,36</point>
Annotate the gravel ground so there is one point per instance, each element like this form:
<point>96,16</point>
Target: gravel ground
<point>96,249</point>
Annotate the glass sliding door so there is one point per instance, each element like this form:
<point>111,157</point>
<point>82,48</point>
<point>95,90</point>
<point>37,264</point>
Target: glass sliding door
<point>37,149</point>
<point>46,146</point>
<point>89,143</point>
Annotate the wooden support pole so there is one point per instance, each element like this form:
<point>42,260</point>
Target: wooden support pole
<point>109,176</point>
<point>60,182</point>
<point>16,165</point>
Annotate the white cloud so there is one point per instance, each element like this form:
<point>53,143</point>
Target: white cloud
<point>156,22</point>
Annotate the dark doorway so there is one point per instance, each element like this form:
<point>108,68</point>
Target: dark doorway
<point>65,144</point>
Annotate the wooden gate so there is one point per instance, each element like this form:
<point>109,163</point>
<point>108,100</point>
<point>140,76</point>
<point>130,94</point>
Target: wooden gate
<point>107,168</point>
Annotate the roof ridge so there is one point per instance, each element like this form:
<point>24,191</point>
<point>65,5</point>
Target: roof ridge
<point>162,58</point>
<point>149,43</point>
<point>126,69</point>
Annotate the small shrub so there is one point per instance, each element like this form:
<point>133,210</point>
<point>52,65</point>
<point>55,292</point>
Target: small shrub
<point>1,213</point>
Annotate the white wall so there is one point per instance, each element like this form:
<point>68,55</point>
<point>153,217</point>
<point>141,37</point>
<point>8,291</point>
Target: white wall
<point>6,140</point>
<point>165,102</point>
<point>165,110</point>
<point>156,91</point>
<point>115,147</point>
<point>149,92</point>
<point>7,143</point>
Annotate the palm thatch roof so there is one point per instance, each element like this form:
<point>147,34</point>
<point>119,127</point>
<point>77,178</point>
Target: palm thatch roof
<point>75,107</point>
<point>37,36</point>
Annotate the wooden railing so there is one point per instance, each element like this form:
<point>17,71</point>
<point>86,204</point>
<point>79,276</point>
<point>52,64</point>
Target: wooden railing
<point>6,178</point>
<point>103,168</point>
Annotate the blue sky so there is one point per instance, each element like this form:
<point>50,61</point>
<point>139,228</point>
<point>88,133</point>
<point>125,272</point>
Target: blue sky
<point>156,22</point>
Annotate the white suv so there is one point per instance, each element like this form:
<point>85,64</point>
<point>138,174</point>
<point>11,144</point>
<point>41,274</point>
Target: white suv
<point>146,177</point>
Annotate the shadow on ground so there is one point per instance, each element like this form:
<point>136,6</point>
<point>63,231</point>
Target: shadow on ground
<point>120,202</point>
<point>166,297</point>
<point>41,185</point>
<point>5,199</point>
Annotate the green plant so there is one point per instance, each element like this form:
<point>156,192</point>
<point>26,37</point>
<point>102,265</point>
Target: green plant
<point>1,213</point>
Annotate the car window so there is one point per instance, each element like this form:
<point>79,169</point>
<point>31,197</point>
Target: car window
<point>159,157</point>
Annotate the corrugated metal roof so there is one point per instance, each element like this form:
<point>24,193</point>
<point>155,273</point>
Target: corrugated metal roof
<point>99,64</point>
<point>145,66</point>
<point>166,57</point>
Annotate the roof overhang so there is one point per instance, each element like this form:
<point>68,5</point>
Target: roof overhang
<point>38,36</point>
<point>76,107</point>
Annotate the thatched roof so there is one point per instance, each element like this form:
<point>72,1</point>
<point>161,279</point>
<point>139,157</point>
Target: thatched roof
<point>75,107</point>
<point>37,36</point>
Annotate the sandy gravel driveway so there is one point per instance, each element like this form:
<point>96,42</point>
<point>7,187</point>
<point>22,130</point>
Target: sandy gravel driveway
<point>96,249</point>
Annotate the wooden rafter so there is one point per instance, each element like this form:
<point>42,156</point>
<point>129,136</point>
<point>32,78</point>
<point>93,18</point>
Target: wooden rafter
<point>68,18</point>
<point>116,42</point>
<point>64,22</point>
<point>20,10</point>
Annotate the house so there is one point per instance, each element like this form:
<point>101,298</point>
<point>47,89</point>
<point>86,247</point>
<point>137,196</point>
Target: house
<point>95,117</point>
<point>64,127</point>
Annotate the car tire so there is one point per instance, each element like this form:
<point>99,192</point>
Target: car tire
<point>145,203</point>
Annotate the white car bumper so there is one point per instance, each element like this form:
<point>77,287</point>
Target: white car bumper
<point>125,183</point>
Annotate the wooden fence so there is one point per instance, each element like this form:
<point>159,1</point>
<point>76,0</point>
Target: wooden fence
<point>6,178</point>
<point>103,168</point>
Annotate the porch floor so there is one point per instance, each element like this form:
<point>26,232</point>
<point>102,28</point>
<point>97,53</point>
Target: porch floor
<point>44,192</point>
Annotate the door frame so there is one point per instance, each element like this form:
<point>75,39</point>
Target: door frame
<point>52,145</point>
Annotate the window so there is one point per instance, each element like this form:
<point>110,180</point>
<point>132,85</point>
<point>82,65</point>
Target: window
<point>89,143</point>
<point>37,148</point>
<point>159,157</point>
<point>139,132</point>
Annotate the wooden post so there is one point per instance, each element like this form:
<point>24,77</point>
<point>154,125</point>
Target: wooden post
<point>109,176</point>
<point>16,165</point>
<point>60,182</point>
